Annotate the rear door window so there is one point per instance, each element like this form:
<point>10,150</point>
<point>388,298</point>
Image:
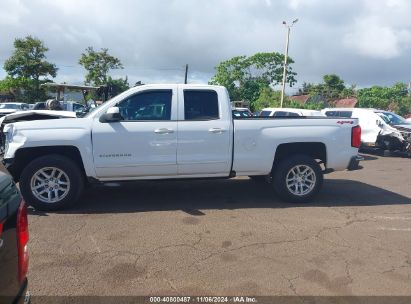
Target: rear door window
<point>201,105</point>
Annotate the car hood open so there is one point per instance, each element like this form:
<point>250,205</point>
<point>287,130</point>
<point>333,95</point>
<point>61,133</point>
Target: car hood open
<point>25,115</point>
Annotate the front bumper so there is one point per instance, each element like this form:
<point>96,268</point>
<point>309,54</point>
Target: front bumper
<point>355,163</point>
<point>10,165</point>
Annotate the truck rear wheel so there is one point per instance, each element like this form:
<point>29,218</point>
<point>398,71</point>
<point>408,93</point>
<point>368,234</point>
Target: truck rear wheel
<point>297,179</point>
<point>51,182</point>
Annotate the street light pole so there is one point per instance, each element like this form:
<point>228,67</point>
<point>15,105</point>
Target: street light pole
<point>287,41</point>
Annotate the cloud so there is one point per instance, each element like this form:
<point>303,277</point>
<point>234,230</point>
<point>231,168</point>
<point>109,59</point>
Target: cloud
<point>11,12</point>
<point>382,31</point>
<point>359,40</point>
<point>370,38</point>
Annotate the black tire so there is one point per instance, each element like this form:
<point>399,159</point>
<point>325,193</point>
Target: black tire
<point>72,173</point>
<point>284,168</point>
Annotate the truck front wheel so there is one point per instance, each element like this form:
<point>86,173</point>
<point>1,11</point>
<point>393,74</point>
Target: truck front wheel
<point>297,179</point>
<point>51,182</point>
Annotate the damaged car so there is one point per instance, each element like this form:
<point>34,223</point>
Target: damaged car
<point>31,115</point>
<point>378,129</point>
<point>402,125</point>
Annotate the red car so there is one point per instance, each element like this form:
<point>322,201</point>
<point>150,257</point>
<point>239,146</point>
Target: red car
<point>14,236</point>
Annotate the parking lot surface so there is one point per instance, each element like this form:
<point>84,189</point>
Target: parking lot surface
<point>231,237</point>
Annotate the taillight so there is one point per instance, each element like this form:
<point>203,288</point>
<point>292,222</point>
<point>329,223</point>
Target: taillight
<point>1,228</point>
<point>356,137</point>
<point>22,240</point>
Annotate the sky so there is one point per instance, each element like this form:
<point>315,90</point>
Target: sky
<point>365,42</point>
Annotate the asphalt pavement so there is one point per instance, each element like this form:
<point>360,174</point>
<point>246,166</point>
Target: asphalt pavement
<point>231,237</point>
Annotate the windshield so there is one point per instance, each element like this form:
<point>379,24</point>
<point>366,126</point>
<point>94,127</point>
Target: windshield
<point>92,109</point>
<point>9,106</point>
<point>392,118</point>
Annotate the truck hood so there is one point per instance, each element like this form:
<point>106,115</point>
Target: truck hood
<point>30,114</point>
<point>63,123</point>
<point>7,111</point>
<point>403,127</point>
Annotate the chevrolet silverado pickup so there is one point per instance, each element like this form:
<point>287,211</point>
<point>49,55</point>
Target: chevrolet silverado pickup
<point>175,132</point>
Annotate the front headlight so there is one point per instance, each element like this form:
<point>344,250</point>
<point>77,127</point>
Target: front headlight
<point>7,136</point>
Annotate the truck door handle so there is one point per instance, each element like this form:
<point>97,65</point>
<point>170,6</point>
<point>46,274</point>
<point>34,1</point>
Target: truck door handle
<point>163,131</point>
<point>216,130</point>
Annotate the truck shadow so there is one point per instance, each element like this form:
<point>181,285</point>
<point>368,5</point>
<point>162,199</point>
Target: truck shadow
<point>367,152</point>
<point>194,197</point>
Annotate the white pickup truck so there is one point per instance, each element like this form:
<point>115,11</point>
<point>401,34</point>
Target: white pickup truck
<point>175,132</point>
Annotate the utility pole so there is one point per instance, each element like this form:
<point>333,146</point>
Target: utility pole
<point>185,77</point>
<point>287,41</point>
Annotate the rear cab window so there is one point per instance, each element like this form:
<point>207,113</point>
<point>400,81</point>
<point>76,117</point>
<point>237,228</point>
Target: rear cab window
<point>285,114</point>
<point>346,114</point>
<point>265,113</point>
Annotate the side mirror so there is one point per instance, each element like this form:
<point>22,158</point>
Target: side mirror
<point>112,115</point>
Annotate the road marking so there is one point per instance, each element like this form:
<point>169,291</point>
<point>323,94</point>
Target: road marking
<point>393,218</point>
<point>394,229</point>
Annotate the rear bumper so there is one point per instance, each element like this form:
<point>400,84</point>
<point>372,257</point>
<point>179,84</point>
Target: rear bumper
<point>355,163</point>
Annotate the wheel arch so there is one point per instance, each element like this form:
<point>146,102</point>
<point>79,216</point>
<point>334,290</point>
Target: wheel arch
<point>24,156</point>
<point>316,150</point>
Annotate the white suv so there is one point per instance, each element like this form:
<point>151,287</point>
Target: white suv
<point>284,112</point>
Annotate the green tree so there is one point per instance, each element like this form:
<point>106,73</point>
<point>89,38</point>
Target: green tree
<point>117,86</point>
<point>386,98</point>
<point>109,90</point>
<point>15,86</point>
<point>245,77</point>
<point>29,68</point>
<point>332,87</point>
<point>98,64</point>
<point>268,98</point>
<point>305,89</point>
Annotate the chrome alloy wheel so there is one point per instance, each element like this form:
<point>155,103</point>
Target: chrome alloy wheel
<point>300,180</point>
<point>50,184</point>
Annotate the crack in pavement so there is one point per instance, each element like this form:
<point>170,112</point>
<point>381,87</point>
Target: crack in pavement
<point>291,285</point>
<point>246,246</point>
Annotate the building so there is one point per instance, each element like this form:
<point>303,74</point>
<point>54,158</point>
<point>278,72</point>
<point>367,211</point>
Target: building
<point>306,99</point>
<point>7,97</point>
<point>240,104</point>
<point>301,99</point>
<point>345,102</point>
